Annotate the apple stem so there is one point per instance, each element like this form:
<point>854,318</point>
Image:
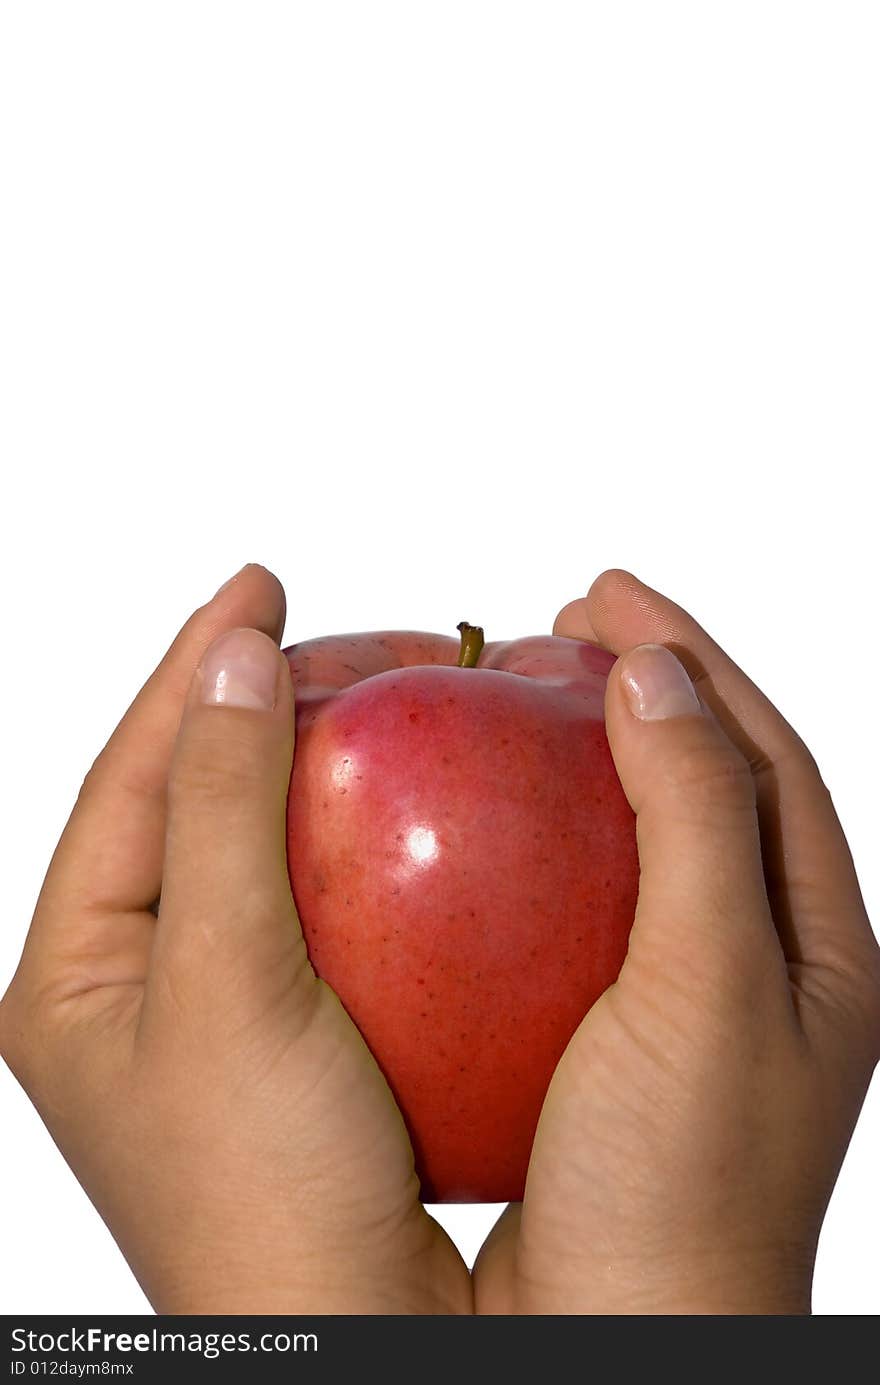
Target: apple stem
<point>471,644</point>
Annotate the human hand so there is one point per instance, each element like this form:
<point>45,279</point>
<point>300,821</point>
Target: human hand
<point>211,1095</point>
<point>694,1128</point>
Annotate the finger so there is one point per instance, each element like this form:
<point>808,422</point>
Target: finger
<point>109,857</point>
<point>701,888</point>
<point>621,611</point>
<point>227,921</point>
<point>574,622</point>
<point>811,880</point>
<point>92,926</point>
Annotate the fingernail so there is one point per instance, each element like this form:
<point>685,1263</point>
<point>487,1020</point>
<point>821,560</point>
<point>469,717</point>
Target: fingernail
<point>229,581</point>
<point>656,685</point>
<point>240,669</point>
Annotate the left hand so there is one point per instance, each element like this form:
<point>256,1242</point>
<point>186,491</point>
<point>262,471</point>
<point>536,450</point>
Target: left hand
<point>210,1093</point>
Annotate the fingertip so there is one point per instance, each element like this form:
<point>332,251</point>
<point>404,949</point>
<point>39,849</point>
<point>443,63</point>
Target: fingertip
<point>258,595</point>
<point>573,622</point>
<point>625,611</point>
<point>583,618</point>
<point>655,685</point>
<point>610,585</point>
<point>240,668</point>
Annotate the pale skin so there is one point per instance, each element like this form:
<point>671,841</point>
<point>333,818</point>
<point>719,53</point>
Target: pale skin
<point>230,1125</point>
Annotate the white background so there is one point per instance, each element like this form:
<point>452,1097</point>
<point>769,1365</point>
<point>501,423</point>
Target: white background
<point>437,310</point>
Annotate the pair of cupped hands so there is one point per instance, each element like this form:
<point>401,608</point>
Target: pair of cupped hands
<point>229,1123</point>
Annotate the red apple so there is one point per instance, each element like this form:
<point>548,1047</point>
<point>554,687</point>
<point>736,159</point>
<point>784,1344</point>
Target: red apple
<point>464,864</point>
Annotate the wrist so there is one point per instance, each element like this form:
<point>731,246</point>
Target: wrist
<point>262,1282</point>
<point>713,1285</point>
<point>329,1294</point>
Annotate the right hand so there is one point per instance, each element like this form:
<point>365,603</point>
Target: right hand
<point>694,1127</point>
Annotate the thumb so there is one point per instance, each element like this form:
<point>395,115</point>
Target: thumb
<point>701,889</point>
<point>226,915</point>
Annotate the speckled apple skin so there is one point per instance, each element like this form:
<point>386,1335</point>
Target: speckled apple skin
<point>464,863</point>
